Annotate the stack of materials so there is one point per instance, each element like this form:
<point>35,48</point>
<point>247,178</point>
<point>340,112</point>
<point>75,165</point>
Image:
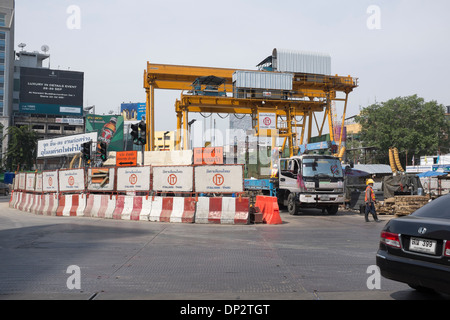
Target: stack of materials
<point>401,205</point>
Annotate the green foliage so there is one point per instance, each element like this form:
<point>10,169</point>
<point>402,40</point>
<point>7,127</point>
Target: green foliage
<point>22,148</point>
<point>412,125</point>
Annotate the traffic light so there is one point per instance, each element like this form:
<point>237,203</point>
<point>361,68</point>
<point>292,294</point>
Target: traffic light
<point>135,133</point>
<point>86,150</point>
<point>139,133</point>
<point>143,133</point>
<point>103,151</point>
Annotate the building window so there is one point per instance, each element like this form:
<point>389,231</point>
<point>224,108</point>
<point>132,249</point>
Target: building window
<point>69,128</point>
<point>55,128</point>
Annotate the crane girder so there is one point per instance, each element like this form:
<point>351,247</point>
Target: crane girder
<point>319,89</point>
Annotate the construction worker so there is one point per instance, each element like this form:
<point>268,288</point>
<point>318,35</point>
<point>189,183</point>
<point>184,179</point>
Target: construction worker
<point>370,201</point>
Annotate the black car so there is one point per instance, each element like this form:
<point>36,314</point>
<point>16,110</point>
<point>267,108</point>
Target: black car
<point>415,249</point>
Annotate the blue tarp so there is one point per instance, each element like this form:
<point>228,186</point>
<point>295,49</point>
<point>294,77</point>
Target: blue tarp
<point>431,174</point>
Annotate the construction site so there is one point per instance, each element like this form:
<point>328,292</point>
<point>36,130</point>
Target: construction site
<point>297,113</point>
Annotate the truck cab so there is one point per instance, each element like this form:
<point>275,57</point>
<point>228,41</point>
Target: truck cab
<point>311,181</point>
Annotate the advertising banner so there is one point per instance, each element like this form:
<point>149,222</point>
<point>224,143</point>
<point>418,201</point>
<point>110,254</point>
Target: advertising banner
<point>173,179</point>
<point>220,179</point>
<point>133,111</point>
<point>109,129</point>
<point>63,146</point>
<point>133,179</point>
<point>71,180</point>
<point>50,181</point>
<point>47,91</point>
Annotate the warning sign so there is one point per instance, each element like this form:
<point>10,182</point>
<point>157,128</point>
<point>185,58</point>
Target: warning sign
<point>176,178</point>
<point>126,158</point>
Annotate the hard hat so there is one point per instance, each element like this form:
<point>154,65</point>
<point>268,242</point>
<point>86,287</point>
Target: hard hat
<point>370,181</point>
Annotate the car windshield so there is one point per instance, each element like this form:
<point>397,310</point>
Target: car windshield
<point>439,208</point>
<point>322,168</point>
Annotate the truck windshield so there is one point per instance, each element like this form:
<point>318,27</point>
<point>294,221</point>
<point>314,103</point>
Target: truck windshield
<point>322,168</point>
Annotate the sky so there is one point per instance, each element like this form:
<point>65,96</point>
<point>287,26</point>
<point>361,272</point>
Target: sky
<point>394,47</point>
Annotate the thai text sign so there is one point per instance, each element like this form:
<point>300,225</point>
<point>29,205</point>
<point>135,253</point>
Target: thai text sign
<point>208,155</point>
<point>38,187</point>
<point>30,181</point>
<point>50,181</point>
<point>219,179</point>
<point>71,180</point>
<point>179,178</point>
<point>133,179</point>
<point>267,121</point>
<point>64,146</point>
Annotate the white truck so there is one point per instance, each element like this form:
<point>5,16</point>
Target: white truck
<point>310,181</point>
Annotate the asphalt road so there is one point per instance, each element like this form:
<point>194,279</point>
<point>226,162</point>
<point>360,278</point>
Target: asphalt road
<point>309,257</point>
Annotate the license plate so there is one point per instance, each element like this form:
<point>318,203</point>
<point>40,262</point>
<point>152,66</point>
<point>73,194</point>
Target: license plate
<point>422,245</point>
<point>325,198</point>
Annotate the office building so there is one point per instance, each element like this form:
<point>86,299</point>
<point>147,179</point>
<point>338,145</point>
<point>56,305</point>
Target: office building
<point>6,64</point>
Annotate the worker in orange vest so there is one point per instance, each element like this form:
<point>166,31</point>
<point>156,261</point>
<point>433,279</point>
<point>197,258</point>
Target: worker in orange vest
<point>370,201</point>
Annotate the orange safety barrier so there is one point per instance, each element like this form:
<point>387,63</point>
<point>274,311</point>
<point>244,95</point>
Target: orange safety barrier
<point>269,208</point>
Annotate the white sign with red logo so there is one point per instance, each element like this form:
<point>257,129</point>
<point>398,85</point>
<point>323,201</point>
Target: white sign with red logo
<point>50,181</point>
<point>71,180</point>
<point>220,179</point>
<point>22,180</point>
<point>267,121</point>
<point>133,179</point>
<point>38,182</point>
<point>30,181</point>
<point>176,178</point>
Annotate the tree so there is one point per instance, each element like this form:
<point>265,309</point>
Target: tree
<point>415,127</point>
<point>22,148</point>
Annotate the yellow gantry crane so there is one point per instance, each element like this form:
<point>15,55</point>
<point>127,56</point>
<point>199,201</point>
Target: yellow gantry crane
<point>311,94</point>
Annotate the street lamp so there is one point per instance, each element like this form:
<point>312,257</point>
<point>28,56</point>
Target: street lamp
<point>165,133</point>
<point>190,123</point>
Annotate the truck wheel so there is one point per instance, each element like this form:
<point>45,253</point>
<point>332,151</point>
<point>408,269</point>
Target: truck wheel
<point>332,210</point>
<point>292,204</point>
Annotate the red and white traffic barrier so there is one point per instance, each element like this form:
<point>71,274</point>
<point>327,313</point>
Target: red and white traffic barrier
<point>23,202</point>
<point>29,203</point>
<point>173,209</point>
<point>37,199</point>
<point>71,205</point>
<point>100,206</point>
<point>136,208</point>
<point>49,205</point>
<point>15,196</point>
<point>226,210</point>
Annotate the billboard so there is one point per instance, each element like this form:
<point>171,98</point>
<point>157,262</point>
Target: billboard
<point>133,111</point>
<point>109,129</point>
<point>63,146</point>
<point>47,91</point>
